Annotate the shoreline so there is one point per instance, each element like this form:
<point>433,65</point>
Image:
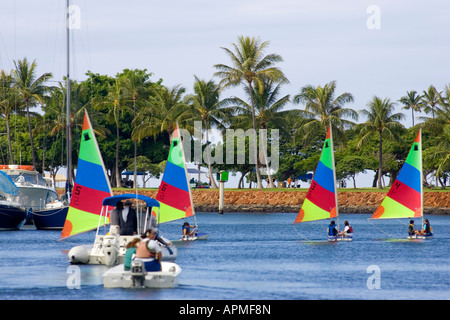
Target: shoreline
<point>260,201</point>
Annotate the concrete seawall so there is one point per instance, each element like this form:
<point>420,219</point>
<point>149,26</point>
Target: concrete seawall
<point>291,201</point>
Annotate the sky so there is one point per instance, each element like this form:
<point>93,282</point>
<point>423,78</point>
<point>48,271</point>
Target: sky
<point>377,47</point>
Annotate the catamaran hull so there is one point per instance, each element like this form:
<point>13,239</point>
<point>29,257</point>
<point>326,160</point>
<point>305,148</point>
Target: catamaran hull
<point>198,236</point>
<point>11,217</point>
<point>340,238</point>
<point>422,237</point>
<point>117,277</point>
<point>50,219</point>
<point>110,251</point>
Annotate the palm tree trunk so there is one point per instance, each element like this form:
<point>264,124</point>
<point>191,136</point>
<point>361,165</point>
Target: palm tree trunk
<point>255,137</point>
<point>211,177</point>
<point>380,161</point>
<point>118,177</point>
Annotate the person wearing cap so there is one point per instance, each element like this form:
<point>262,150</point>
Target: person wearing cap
<point>149,251</point>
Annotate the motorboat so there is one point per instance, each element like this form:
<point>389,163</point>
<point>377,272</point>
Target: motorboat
<point>109,249</point>
<point>35,195</point>
<point>138,277</point>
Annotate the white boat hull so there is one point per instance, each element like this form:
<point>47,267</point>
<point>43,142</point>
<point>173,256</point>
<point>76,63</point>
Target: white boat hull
<point>422,237</point>
<point>117,277</point>
<point>199,236</point>
<point>340,238</point>
<point>110,251</point>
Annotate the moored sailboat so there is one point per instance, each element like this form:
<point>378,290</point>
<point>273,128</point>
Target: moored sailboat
<point>321,200</point>
<point>405,197</point>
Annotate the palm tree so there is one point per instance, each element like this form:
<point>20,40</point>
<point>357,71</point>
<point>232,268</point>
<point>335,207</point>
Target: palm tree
<point>135,86</point>
<point>382,121</point>
<point>9,103</point>
<point>31,90</point>
<point>114,102</point>
<point>207,107</point>
<point>250,66</point>
<point>439,126</point>
<point>268,109</point>
<point>430,99</point>
<point>412,101</point>
<point>323,109</point>
<point>160,113</point>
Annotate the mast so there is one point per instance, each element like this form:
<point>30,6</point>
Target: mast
<point>69,135</point>
<point>421,175</point>
<point>186,174</point>
<point>334,175</point>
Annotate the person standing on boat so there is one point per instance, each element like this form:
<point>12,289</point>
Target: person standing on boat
<point>125,218</point>
<point>332,229</point>
<point>149,251</point>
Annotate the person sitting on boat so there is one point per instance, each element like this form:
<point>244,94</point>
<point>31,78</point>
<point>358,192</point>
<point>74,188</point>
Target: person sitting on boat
<point>427,231</point>
<point>348,230</point>
<point>149,251</point>
<point>411,230</point>
<point>332,229</point>
<point>187,229</point>
<point>130,253</point>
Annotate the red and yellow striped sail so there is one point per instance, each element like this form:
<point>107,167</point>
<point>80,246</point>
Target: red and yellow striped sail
<point>321,201</point>
<point>90,188</point>
<point>405,198</point>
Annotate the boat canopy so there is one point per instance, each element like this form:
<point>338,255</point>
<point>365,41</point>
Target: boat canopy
<point>112,201</point>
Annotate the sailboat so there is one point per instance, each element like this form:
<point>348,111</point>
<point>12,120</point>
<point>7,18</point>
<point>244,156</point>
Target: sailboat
<point>87,211</point>
<point>174,194</point>
<point>405,197</point>
<point>321,200</point>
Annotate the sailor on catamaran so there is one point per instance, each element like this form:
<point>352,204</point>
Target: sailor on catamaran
<point>332,229</point>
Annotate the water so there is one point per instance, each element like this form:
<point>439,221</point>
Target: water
<point>249,257</point>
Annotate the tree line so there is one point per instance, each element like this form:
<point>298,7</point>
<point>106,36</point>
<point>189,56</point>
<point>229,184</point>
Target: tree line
<point>134,116</point>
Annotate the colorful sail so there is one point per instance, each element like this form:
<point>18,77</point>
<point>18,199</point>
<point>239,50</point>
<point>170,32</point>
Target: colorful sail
<point>90,188</point>
<point>405,198</point>
<point>321,199</point>
<point>174,194</point>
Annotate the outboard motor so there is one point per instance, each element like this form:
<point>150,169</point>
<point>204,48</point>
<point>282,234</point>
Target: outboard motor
<point>110,250</point>
<point>138,273</point>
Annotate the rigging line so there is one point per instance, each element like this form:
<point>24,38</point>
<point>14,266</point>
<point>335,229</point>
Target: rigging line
<point>296,231</point>
<point>379,229</point>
